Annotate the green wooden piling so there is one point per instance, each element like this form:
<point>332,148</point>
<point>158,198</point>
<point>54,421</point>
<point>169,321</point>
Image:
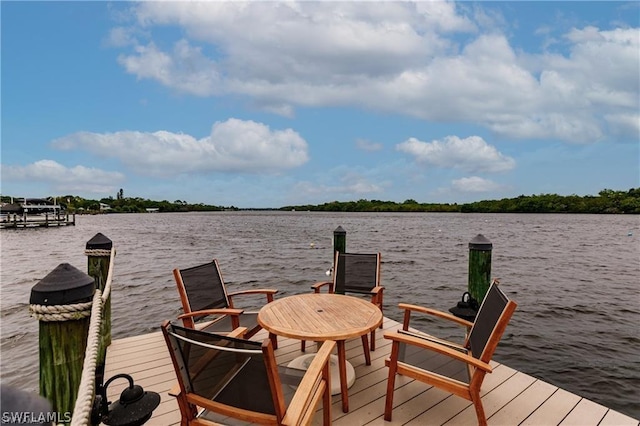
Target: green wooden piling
<point>339,240</point>
<point>62,337</point>
<point>479,266</point>
<point>98,250</point>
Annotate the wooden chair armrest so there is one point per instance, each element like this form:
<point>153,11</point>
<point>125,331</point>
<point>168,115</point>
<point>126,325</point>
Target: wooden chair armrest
<point>222,311</point>
<point>238,332</point>
<point>317,286</point>
<point>306,389</point>
<point>271,291</point>
<point>437,347</point>
<point>268,292</point>
<point>408,308</point>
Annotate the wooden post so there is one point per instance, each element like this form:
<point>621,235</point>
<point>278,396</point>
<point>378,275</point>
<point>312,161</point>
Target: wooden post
<point>479,266</point>
<point>63,337</point>
<point>98,250</point>
<point>339,240</point>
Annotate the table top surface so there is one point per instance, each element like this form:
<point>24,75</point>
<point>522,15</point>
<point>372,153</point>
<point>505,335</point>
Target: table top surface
<point>320,317</point>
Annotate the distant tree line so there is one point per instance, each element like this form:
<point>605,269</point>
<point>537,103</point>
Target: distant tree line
<point>121,204</point>
<point>607,201</point>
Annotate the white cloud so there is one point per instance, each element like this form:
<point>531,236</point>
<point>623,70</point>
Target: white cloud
<point>64,179</point>
<point>400,57</point>
<point>624,124</point>
<point>475,184</point>
<point>120,37</point>
<point>471,154</point>
<point>185,69</point>
<point>234,146</point>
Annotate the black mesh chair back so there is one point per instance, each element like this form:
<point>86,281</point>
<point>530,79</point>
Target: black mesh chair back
<point>222,369</point>
<point>491,310</point>
<point>356,272</point>
<point>227,380</point>
<point>204,287</point>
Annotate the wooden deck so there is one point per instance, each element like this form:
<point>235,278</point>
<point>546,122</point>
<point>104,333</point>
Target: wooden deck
<point>509,396</point>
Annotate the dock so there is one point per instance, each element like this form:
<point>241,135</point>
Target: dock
<point>510,397</point>
<point>44,221</point>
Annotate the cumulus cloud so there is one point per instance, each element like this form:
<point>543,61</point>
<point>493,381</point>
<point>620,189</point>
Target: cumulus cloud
<point>62,178</point>
<point>233,146</point>
<point>401,57</point>
<point>471,154</point>
<point>475,184</point>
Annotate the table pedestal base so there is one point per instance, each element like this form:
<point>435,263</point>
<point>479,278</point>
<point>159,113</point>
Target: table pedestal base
<point>303,362</point>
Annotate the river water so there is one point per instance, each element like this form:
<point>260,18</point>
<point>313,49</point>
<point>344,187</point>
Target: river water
<point>575,278</point>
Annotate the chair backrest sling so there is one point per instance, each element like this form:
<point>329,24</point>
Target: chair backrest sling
<point>203,286</point>
<point>490,322</point>
<point>356,272</point>
<point>228,371</point>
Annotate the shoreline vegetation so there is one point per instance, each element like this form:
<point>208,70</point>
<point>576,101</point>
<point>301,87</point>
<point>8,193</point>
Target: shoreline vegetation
<point>606,202</point>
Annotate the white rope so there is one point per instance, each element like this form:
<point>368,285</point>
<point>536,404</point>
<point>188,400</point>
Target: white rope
<point>86,389</point>
<point>106,292</point>
<point>98,252</point>
<point>60,312</point>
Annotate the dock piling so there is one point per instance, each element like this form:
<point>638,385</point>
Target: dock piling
<point>98,251</point>
<point>61,301</point>
<point>479,266</point>
<point>339,240</point>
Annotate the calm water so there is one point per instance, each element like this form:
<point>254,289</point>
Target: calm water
<point>575,278</point>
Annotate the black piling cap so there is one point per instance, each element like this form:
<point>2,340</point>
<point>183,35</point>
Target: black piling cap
<point>339,231</point>
<point>64,285</point>
<point>99,242</point>
<point>480,242</point>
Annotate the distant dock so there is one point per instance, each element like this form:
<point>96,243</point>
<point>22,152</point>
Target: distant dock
<point>41,221</point>
<point>34,213</point>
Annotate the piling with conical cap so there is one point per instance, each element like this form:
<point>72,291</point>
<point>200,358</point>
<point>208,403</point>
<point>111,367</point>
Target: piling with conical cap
<point>62,303</point>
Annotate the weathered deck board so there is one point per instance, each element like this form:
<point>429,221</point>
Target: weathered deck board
<point>510,397</point>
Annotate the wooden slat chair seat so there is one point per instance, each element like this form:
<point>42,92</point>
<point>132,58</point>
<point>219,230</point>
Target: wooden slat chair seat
<point>355,273</point>
<point>204,295</point>
<point>458,369</point>
<point>227,380</point>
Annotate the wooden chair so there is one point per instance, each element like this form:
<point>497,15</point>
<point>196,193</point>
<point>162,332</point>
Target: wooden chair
<point>204,295</point>
<point>357,273</point>
<point>223,379</point>
<point>458,369</point>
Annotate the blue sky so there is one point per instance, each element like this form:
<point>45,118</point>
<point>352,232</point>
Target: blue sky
<point>267,104</point>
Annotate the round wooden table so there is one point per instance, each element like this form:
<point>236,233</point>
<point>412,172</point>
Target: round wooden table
<point>320,317</point>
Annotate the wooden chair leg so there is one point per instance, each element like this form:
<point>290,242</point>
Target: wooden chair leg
<point>303,345</point>
<point>365,349</point>
<point>391,381</point>
<point>477,403</point>
<point>372,346</point>
<point>326,397</point>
